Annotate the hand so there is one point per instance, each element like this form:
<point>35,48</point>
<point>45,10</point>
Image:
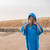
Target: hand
<point>35,23</point>
<point>26,25</point>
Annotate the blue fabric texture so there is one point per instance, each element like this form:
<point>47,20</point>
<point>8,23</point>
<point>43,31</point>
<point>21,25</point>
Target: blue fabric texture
<point>31,35</point>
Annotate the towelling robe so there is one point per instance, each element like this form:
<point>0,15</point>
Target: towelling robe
<point>31,35</point>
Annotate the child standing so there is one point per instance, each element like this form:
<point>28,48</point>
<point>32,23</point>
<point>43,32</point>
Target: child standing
<point>32,30</point>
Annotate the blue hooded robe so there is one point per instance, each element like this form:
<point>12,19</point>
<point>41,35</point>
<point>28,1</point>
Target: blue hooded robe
<point>31,35</point>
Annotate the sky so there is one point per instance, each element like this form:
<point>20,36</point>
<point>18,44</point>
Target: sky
<point>20,9</point>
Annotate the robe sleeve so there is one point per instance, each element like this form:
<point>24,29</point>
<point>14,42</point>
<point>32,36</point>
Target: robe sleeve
<point>22,29</point>
<point>38,31</point>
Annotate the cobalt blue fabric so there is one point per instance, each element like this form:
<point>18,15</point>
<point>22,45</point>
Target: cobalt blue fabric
<point>31,35</point>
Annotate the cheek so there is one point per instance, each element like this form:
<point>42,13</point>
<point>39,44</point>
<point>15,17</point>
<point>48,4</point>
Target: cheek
<point>33,17</point>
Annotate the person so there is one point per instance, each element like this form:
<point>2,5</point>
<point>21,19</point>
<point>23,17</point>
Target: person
<point>31,30</point>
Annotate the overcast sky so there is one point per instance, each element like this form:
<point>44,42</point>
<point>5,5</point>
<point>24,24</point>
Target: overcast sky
<point>19,9</point>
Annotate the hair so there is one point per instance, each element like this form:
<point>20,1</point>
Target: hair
<point>30,16</point>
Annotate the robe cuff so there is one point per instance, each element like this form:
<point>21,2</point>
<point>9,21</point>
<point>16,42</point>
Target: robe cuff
<point>24,32</point>
<point>39,32</point>
<point>41,29</point>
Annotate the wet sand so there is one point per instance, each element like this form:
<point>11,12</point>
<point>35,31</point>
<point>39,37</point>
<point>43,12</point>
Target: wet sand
<point>16,41</point>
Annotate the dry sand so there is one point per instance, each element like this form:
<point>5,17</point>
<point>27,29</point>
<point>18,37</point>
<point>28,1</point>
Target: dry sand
<point>44,22</point>
<point>16,41</point>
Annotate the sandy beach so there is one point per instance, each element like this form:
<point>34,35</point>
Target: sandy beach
<point>16,41</point>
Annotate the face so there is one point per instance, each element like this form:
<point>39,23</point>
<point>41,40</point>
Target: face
<point>31,18</point>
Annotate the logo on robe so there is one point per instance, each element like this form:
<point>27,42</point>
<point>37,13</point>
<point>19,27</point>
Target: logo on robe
<point>32,28</point>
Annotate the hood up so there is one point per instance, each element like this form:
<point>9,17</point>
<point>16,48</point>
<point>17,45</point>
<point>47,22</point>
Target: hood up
<point>33,15</point>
